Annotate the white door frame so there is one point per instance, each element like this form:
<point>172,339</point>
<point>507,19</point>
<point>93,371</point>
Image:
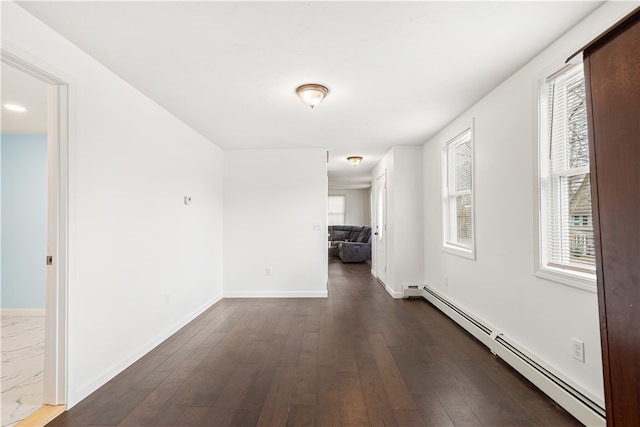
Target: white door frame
<point>380,267</point>
<point>61,96</point>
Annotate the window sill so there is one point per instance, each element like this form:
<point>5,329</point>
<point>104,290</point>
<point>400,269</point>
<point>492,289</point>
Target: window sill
<point>584,281</point>
<point>456,250</point>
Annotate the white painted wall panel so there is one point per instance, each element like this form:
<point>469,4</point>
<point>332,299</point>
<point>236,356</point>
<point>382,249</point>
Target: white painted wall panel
<point>272,199</point>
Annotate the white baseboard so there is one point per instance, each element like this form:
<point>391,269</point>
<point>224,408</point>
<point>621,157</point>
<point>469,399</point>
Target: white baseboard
<point>110,372</point>
<point>22,312</point>
<point>277,294</point>
<point>588,411</point>
<point>394,294</point>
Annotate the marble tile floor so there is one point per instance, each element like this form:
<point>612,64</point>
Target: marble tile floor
<point>22,367</point>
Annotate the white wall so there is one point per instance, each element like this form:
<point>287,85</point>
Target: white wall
<point>272,199</point>
<point>500,286</point>
<point>403,168</point>
<point>358,206</point>
<point>134,244</point>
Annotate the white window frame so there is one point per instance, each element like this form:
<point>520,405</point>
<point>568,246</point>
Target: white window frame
<point>545,269</point>
<point>449,244</point>
<point>344,212</point>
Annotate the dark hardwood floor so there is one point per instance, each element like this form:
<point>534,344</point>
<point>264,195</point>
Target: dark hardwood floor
<point>357,358</point>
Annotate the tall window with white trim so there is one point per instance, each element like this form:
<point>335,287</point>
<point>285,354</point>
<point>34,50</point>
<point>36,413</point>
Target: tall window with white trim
<point>566,223</point>
<point>458,195</point>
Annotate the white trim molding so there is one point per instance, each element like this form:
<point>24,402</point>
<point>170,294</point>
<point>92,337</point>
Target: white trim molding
<point>61,136</point>
<point>447,246</point>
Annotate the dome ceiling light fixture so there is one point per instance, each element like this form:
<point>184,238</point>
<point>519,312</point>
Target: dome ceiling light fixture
<point>354,160</point>
<point>312,94</point>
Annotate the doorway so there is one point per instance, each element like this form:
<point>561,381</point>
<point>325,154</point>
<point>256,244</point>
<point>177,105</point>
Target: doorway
<point>24,241</point>
<point>54,257</point>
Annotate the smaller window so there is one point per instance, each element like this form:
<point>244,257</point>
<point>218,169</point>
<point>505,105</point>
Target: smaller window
<point>336,210</point>
<point>457,224</point>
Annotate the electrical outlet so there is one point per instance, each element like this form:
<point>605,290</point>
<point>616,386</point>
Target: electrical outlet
<point>268,271</point>
<point>446,281</point>
<point>577,349</point>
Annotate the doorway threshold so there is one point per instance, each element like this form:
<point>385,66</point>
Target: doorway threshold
<point>42,416</point>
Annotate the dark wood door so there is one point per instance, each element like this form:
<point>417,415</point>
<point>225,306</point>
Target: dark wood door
<point>612,71</point>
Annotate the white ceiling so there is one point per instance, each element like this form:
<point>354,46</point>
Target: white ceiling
<point>397,71</point>
<point>19,88</point>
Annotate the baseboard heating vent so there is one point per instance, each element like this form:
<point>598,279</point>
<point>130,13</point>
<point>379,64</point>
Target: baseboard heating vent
<point>585,409</point>
<point>460,312</point>
<point>595,407</point>
<point>411,291</point>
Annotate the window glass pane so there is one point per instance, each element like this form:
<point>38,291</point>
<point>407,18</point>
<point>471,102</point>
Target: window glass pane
<point>577,144</point>
<point>336,210</point>
<point>579,223</point>
<point>463,166</point>
<point>463,219</point>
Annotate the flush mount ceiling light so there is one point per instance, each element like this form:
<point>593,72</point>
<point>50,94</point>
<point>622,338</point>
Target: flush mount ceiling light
<point>312,94</point>
<point>13,107</point>
<point>354,160</point>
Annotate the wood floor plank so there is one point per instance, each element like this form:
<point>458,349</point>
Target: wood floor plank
<point>148,409</point>
<point>433,413</point>
<point>352,407</point>
<point>275,411</point>
<point>302,416</point>
<point>376,401</point>
<point>397,390</point>
<point>421,374</point>
<point>292,347</point>
<point>329,401</point>
<point>286,320</point>
<point>195,416</point>
<point>327,346</point>
<point>493,405</point>
<point>345,352</point>
<point>409,418</point>
<point>239,384</point>
<point>306,377</point>
<point>457,408</point>
<point>256,396</point>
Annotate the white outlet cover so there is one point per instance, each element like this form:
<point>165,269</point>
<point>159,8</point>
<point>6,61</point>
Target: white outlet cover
<point>187,200</point>
<point>577,349</point>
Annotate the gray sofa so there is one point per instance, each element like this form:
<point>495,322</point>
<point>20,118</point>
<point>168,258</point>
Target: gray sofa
<point>351,243</point>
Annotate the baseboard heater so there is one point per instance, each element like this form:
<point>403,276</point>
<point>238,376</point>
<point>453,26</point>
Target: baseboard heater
<point>585,409</point>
